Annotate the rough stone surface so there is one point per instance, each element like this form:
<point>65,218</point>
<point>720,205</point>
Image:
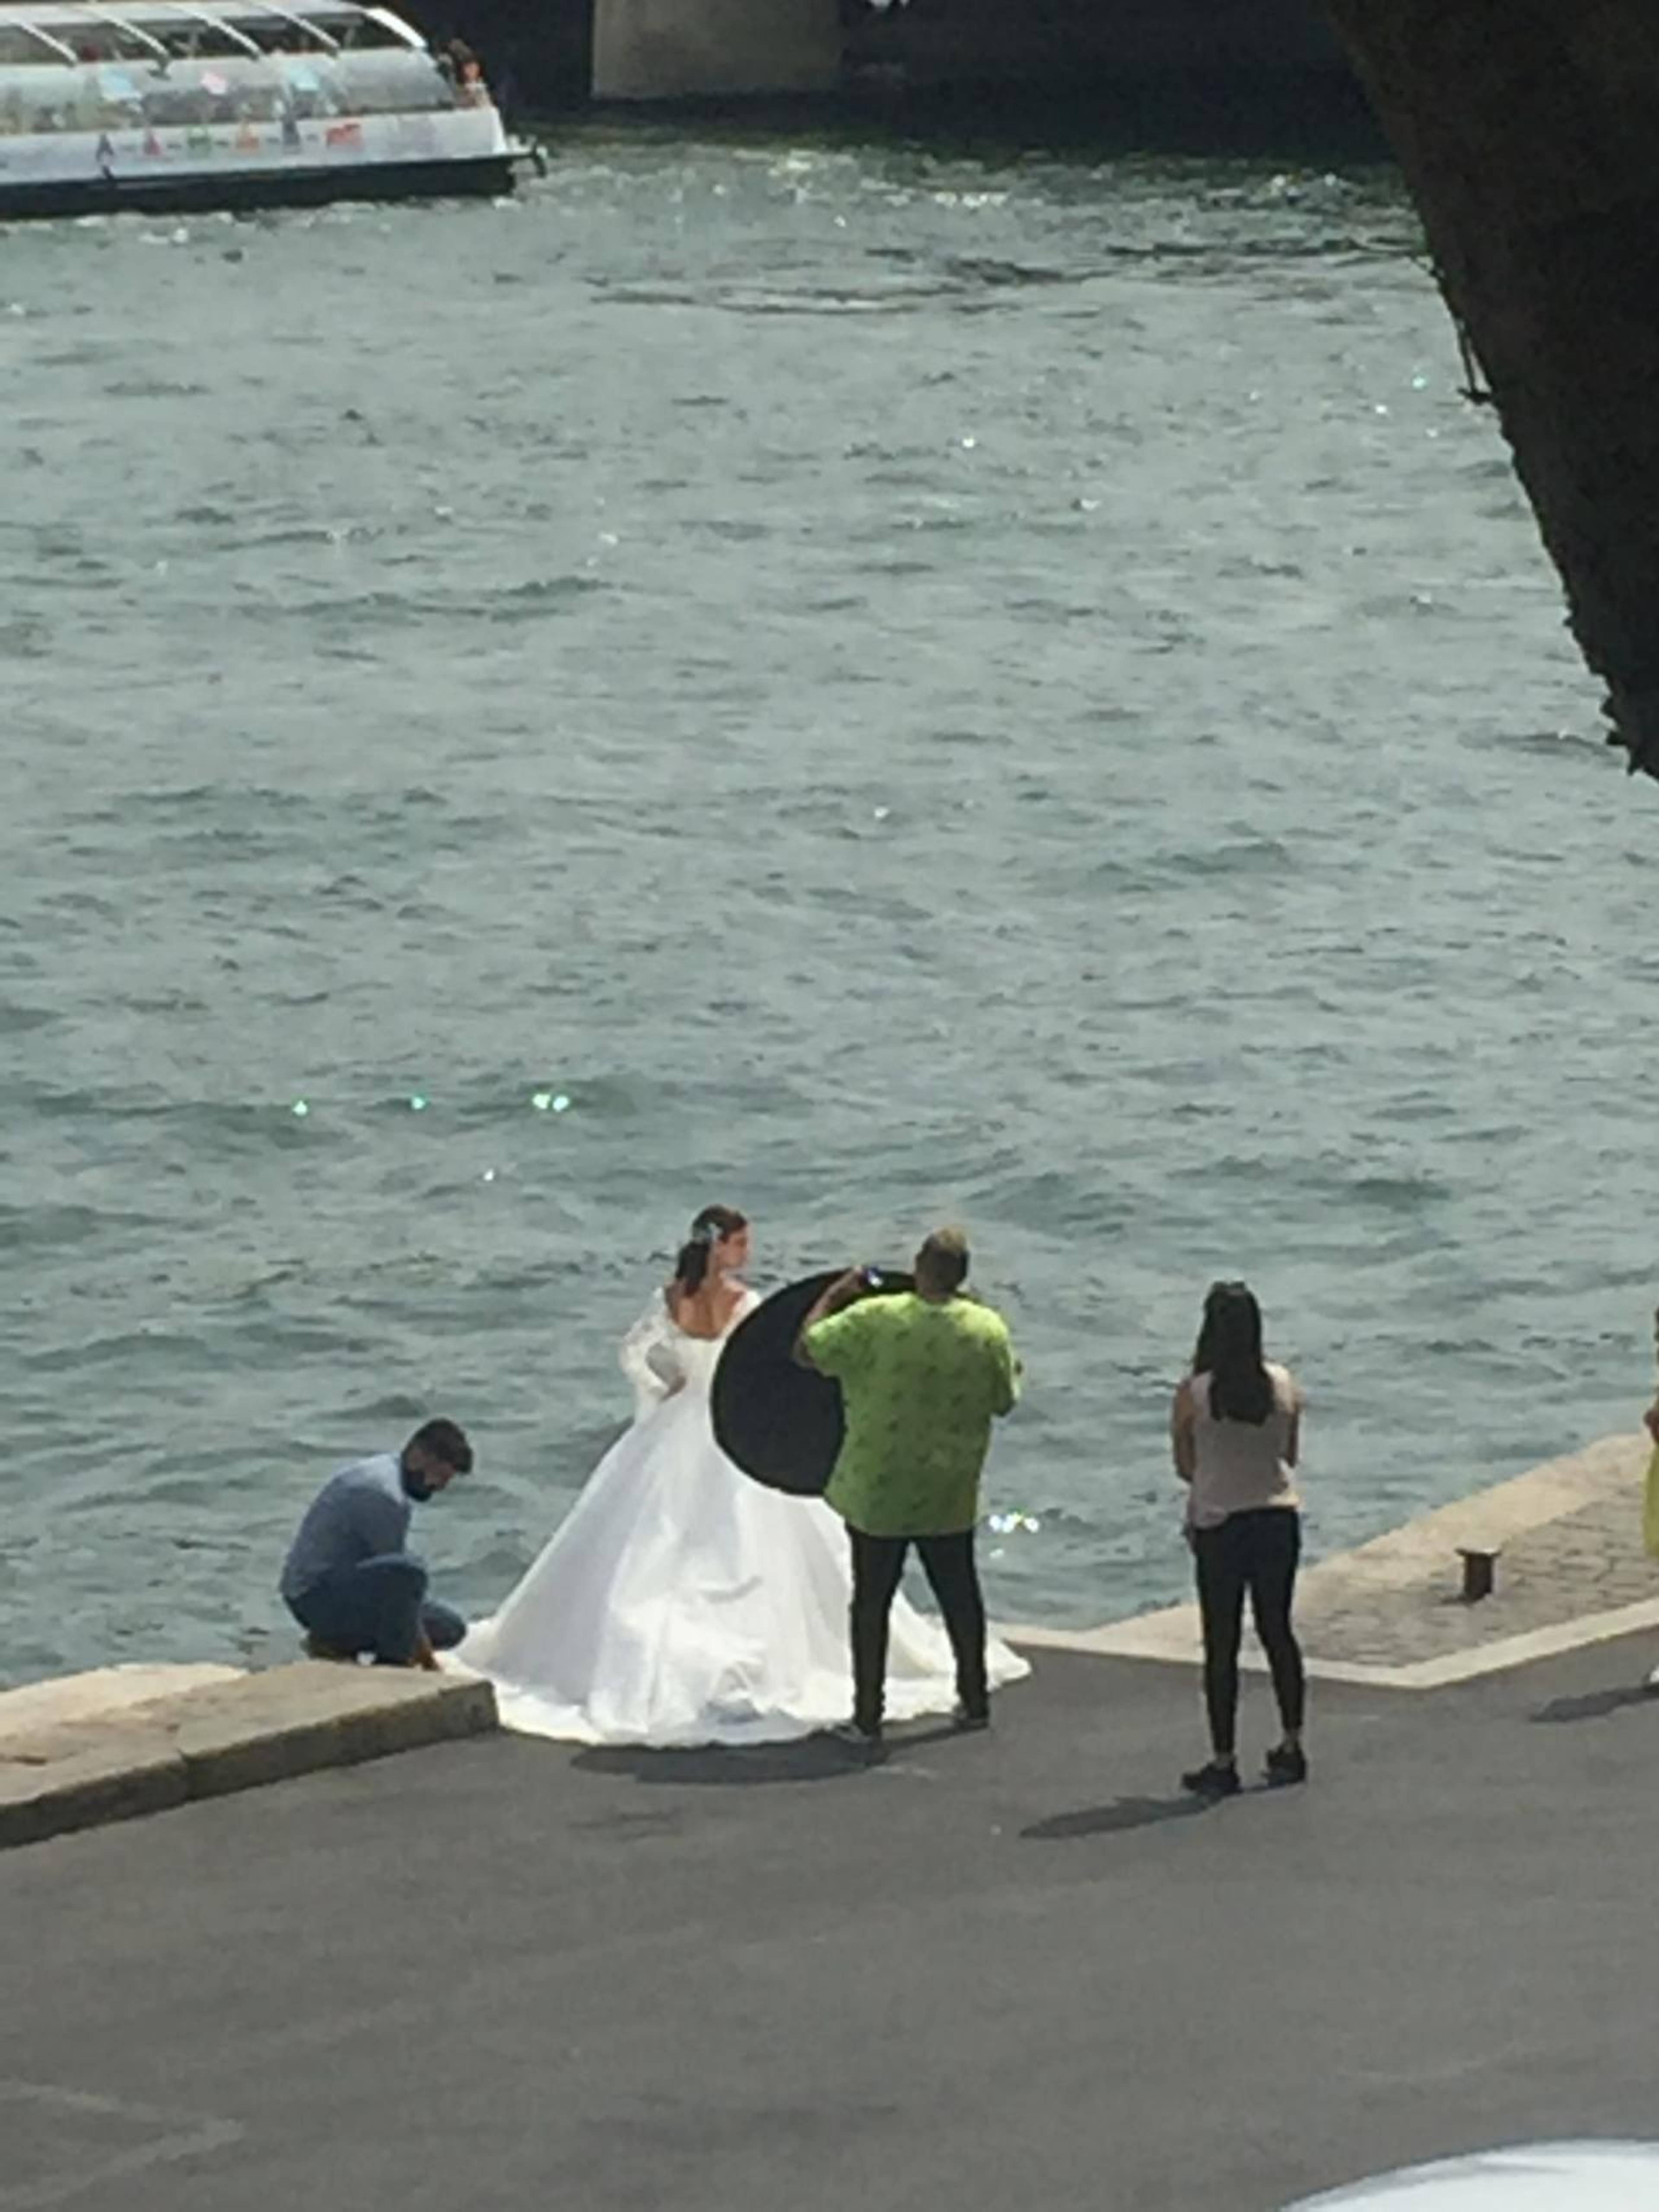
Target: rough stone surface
<point>77,1776</point>
<point>1571,1565</point>
<point>295,1718</point>
<point>1583,1560</point>
<point>104,1691</point>
<point>228,1734</point>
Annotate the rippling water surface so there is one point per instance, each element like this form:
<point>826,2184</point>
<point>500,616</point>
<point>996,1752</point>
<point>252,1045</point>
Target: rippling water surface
<point>896,685</point>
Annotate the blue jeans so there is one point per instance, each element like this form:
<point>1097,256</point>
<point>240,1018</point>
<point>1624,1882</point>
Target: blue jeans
<point>379,1606</point>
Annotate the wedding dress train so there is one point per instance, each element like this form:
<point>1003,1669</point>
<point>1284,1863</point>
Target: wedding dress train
<point>682,1603</point>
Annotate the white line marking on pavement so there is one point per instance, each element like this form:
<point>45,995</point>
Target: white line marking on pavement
<point>180,2139</point>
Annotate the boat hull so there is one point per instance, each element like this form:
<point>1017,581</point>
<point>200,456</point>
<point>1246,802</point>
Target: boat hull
<point>483,176</point>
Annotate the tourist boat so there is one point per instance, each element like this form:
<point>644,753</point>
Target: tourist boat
<point>189,104</point>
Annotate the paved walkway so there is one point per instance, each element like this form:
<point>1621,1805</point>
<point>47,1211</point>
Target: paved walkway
<point>132,1740</point>
<point>1012,1970</point>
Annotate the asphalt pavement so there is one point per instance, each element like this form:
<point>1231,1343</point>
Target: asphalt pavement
<point>1015,1970</point>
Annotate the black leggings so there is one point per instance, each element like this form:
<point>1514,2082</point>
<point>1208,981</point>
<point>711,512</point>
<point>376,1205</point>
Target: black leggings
<point>1257,1552</point>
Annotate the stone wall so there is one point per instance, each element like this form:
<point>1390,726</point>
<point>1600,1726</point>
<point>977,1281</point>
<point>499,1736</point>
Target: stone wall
<point>709,49</point>
<point>1528,136</point>
<point>555,54</point>
<point>939,41</point>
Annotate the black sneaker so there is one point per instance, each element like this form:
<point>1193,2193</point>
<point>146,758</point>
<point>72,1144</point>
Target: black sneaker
<point>864,1741</point>
<point>1215,1780</point>
<point>1287,1765</point>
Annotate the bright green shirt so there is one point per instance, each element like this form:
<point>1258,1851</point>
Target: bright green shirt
<point>922,1383</point>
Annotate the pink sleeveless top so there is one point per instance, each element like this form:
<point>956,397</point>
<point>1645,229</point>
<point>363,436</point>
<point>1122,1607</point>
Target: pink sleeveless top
<point>1239,1467</point>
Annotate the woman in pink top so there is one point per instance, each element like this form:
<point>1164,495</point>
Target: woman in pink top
<point>1235,1430</point>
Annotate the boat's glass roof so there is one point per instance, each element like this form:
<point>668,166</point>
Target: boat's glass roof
<point>148,15</point>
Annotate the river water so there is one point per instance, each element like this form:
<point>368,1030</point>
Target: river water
<point>864,682</point>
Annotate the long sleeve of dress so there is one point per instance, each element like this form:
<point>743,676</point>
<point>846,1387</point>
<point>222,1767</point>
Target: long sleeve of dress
<point>650,1358</point>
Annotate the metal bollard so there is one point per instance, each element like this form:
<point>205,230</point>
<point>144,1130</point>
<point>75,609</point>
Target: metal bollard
<point>1479,1572</point>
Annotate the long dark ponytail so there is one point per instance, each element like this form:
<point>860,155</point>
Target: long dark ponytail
<point>711,1227</point>
<point>1230,1352</point>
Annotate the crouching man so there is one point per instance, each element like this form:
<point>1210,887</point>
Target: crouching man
<point>350,1579</point>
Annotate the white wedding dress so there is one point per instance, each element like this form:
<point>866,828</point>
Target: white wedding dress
<point>682,1603</point>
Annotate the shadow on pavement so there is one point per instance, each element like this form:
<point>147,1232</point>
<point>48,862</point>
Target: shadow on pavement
<point>1113,1819</point>
<point>1597,1704</point>
<point>813,1759</point>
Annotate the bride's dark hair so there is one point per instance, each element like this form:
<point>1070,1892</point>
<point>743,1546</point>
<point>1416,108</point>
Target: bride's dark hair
<point>711,1227</point>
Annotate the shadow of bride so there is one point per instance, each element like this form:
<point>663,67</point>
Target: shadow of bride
<point>820,1758</point>
<point>1114,1819</point>
<point>810,1758</point>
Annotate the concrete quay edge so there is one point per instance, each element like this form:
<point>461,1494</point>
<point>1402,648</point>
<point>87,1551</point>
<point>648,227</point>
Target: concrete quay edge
<point>1173,1638</point>
<point>222,1735</point>
<point>1399,1564</point>
<point>88,1749</point>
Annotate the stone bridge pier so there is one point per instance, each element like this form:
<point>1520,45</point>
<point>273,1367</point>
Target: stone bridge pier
<point>713,49</point>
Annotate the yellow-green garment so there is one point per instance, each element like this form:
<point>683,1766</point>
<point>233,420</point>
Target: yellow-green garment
<point>921,1382</point>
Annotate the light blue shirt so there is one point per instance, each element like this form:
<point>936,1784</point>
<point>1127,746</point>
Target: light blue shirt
<point>359,1513</point>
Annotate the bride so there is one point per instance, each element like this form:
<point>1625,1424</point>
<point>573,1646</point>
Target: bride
<point>680,1602</point>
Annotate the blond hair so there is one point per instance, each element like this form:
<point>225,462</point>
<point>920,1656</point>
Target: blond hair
<point>944,1257</point>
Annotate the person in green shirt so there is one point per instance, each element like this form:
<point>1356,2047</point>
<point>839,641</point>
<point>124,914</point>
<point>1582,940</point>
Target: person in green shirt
<point>922,1376</point>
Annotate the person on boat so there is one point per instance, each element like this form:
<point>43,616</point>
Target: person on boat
<point>465,72</point>
<point>1235,1430</point>
<point>680,1602</point>
<point>350,1579</point>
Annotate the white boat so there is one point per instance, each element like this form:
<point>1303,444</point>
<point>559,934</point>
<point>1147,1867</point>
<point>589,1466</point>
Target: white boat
<point>1547,2177</point>
<point>185,104</point>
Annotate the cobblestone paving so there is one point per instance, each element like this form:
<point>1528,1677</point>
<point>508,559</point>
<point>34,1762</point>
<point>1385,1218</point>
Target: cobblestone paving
<point>1590,1561</point>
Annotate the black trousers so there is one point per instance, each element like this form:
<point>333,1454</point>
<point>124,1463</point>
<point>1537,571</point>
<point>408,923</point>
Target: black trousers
<point>1255,1552</point>
<point>948,1563</point>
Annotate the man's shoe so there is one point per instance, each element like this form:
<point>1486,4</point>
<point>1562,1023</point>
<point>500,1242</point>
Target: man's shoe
<point>867,1742</point>
<point>1287,1765</point>
<point>316,1648</point>
<point>967,1719</point>
<point>1217,1779</point>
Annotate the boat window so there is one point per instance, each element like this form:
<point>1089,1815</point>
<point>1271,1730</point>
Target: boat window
<point>19,46</point>
<point>44,99</point>
<point>233,90</point>
<point>211,40</point>
<point>270,36</point>
<point>90,40</point>
<point>206,76</point>
<point>387,83</point>
<point>355,31</point>
<point>197,41</point>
